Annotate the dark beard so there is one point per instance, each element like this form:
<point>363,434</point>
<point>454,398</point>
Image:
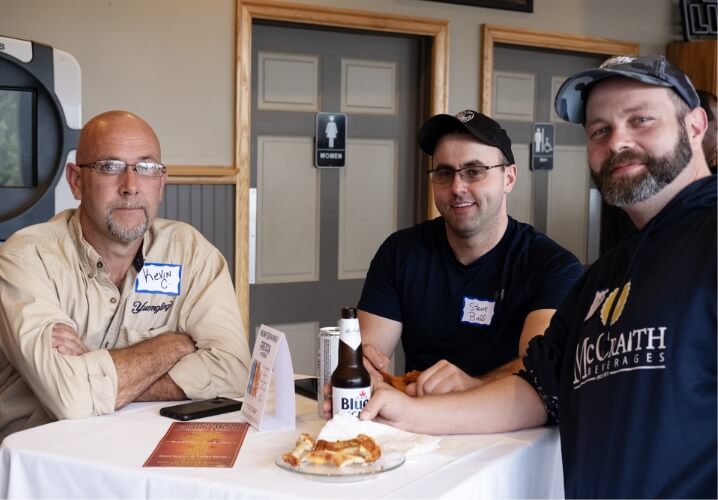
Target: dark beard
<point>628,190</point>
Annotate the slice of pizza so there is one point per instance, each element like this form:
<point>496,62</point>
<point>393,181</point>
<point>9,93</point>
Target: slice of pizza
<point>337,458</point>
<point>304,444</point>
<point>359,450</point>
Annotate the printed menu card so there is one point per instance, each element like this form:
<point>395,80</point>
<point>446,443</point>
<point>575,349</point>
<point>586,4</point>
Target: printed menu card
<point>199,444</point>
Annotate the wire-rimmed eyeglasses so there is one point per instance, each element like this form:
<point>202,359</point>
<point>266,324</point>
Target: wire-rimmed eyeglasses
<point>473,173</point>
<point>117,167</point>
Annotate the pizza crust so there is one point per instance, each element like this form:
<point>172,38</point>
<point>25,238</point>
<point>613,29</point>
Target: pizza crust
<point>360,450</point>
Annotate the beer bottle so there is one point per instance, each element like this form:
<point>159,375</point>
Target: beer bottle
<point>351,382</point>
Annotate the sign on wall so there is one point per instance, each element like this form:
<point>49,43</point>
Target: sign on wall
<point>542,146</point>
<point>330,140</point>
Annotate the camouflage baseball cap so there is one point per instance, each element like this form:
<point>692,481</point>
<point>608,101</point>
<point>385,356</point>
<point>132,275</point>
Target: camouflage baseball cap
<point>652,70</point>
<point>474,123</point>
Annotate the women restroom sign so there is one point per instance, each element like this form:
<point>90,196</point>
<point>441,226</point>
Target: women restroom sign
<point>330,140</point>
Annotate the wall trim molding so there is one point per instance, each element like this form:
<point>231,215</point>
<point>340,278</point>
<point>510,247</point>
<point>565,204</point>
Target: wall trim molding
<point>201,174</point>
<point>271,10</point>
<point>492,34</point>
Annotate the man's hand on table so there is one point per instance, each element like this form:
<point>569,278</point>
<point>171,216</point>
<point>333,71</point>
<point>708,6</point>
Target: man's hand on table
<point>390,406</point>
<point>66,340</point>
<point>441,378</point>
<point>377,386</point>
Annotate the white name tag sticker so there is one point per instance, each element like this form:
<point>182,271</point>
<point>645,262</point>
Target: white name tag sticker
<point>477,311</point>
<point>159,278</point>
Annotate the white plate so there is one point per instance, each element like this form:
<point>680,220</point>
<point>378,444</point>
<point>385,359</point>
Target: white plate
<point>353,472</point>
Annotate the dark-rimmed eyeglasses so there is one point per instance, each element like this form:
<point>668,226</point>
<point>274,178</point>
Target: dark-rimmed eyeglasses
<point>474,173</point>
<point>117,167</point>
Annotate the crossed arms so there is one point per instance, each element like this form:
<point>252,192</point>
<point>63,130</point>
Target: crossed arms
<point>202,353</point>
<point>141,368</point>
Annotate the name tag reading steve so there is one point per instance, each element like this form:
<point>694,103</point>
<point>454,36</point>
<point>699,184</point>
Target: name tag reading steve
<point>159,278</point>
<point>477,311</point>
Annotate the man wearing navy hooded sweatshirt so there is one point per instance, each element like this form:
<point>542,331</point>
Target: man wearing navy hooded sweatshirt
<point>627,367</point>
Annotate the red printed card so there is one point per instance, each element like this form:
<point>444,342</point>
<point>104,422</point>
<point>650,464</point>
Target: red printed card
<point>201,444</point>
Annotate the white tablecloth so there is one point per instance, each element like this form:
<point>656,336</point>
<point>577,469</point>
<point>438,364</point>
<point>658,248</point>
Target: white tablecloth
<point>102,457</point>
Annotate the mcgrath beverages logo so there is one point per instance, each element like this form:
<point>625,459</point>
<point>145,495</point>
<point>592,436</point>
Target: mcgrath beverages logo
<point>620,305</point>
<point>609,351</point>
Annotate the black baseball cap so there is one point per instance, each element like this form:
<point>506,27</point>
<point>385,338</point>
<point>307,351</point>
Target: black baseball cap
<point>474,123</point>
<point>652,70</point>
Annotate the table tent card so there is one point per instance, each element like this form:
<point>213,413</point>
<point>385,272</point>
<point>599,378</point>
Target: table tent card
<point>271,368</point>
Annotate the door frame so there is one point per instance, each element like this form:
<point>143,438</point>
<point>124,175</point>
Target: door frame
<point>249,10</point>
<point>492,34</point>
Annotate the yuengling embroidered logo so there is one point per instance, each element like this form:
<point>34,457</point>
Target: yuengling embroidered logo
<point>139,306</point>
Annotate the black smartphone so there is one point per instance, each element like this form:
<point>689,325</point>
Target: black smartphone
<point>199,409</point>
<point>306,387</point>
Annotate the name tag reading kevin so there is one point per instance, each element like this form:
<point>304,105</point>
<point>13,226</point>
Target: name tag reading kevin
<point>159,278</point>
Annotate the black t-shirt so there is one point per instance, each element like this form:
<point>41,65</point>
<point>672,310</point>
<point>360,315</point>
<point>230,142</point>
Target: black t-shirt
<point>471,315</point>
<point>628,364</point>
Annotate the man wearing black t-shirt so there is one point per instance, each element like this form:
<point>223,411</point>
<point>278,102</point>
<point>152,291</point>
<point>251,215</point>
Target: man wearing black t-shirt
<point>466,291</point>
<point>627,367</point>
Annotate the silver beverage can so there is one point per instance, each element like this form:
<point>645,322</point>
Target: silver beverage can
<point>327,359</point>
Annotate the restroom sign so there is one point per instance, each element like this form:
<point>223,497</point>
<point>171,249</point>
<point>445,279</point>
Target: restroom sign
<point>542,146</point>
<point>330,140</point>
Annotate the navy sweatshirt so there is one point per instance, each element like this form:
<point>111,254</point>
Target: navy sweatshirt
<point>628,364</point>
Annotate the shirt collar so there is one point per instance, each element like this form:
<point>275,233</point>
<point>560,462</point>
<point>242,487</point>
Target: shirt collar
<point>139,261</point>
<point>89,256</point>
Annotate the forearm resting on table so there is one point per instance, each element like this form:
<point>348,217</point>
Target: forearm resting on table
<point>507,404</point>
<point>163,389</point>
<point>141,365</point>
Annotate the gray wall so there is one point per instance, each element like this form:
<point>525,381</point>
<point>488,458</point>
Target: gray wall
<point>209,208</point>
<point>172,61</point>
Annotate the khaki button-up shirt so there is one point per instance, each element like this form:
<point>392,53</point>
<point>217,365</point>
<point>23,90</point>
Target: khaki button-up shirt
<point>49,274</point>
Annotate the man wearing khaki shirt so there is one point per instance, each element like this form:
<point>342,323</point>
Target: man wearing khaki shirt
<point>105,304</point>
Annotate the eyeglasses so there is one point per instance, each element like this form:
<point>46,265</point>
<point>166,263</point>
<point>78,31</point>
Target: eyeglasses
<point>469,175</point>
<point>117,167</point>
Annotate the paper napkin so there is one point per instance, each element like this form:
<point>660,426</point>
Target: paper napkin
<point>389,438</point>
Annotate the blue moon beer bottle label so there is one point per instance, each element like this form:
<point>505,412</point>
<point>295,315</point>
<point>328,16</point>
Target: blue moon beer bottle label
<point>351,383</point>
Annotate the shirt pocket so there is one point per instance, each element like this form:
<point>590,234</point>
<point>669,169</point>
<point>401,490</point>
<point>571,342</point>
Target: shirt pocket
<point>147,318</point>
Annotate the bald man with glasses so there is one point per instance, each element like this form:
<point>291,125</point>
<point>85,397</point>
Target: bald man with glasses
<point>107,304</point>
<point>464,292</point>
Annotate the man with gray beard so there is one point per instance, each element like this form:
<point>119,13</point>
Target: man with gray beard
<point>106,304</point>
<point>627,367</point>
